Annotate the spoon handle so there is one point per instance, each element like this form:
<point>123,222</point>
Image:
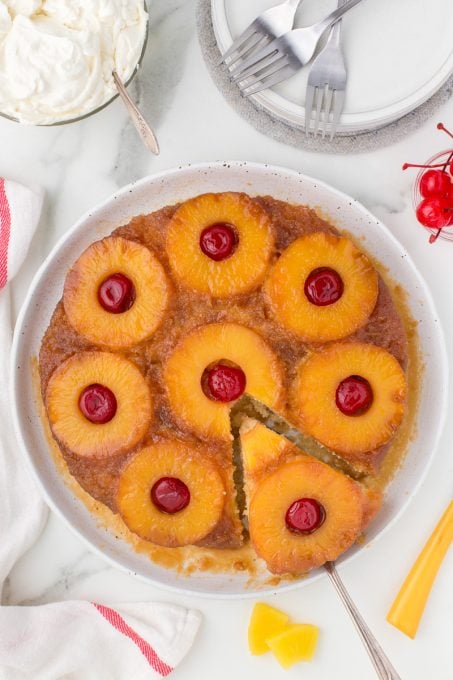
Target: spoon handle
<point>142,127</point>
<point>381,663</point>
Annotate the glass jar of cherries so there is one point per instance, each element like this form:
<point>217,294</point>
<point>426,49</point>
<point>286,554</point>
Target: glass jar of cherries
<point>433,193</point>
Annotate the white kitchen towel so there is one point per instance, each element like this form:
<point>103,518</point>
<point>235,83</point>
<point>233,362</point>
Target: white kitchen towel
<point>73,639</point>
<point>22,511</point>
<point>87,641</point>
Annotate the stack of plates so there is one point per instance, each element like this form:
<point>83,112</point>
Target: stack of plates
<point>398,54</point>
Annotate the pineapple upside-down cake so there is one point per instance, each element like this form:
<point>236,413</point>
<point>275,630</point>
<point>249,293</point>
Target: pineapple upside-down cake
<point>167,322</point>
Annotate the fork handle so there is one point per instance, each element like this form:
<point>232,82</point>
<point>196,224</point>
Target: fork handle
<point>382,665</point>
<point>334,37</point>
<point>333,17</point>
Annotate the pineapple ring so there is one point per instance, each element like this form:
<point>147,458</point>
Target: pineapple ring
<point>260,447</point>
<point>193,467</point>
<point>314,390</point>
<point>284,551</point>
<point>134,404</point>
<point>289,304</point>
<point>99,261</point>
<point>207,345</point>
<point>239,273</point>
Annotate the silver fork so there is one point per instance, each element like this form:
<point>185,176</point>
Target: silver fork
<point>327,84</point>
<point>269,25</point>
<point>284,56</point>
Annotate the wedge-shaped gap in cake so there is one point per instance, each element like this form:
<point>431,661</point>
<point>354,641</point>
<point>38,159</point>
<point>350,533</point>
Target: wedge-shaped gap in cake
<point>249,407</point>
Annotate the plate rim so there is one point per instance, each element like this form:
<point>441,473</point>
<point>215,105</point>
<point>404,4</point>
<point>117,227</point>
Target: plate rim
<point>294,114</point>
<point>16,348</point>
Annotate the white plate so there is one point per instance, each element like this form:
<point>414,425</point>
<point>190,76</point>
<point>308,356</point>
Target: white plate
<point>398,54</point>
<point>148,195</point>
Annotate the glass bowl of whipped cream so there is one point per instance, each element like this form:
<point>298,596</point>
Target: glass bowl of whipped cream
<point>57,56</point>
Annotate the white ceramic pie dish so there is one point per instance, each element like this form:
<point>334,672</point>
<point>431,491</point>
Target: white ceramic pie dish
<point>152,193</point>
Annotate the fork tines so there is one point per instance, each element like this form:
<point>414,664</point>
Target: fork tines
<point>250,39</point>
<point>269,25</point>
<point>263,68</point>
<point>263,82</point>
<point>327,105</point>
<point>257,60</point>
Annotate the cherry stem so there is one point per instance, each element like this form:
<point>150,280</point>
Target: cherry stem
<point>441,126</point>
<point>447,163</point>
<point>433,238</point>
<point>414,165</point>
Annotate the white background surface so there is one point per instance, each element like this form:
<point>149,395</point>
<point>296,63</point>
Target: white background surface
<point>83,163</point>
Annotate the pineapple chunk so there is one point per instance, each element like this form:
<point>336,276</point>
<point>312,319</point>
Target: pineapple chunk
<point>265,622</point>
<point>295,643</point>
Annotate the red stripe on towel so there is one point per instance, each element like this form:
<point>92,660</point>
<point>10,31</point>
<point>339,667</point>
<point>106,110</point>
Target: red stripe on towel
<point>117,621</point>
<point>5,227</point>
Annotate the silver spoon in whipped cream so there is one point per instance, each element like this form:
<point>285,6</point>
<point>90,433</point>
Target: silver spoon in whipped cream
<point>142,127</point>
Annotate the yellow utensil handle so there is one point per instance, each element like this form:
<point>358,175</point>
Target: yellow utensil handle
<point>407,609</point>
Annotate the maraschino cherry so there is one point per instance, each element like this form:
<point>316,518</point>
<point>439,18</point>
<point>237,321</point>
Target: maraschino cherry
<point>223,382</point>
<point>435,183</point>
<point>218,241</point>
<point>304,516</point>
<point>170,495</point>
<point>323,286</point>
<point>116,294</point>
<point>98,404</point>
<point>354,396</point>
<point>435,211</point>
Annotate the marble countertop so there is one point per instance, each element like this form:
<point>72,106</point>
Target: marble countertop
<point>81,164</point>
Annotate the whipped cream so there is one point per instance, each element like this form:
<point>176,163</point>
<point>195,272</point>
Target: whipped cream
<point>57,56</point>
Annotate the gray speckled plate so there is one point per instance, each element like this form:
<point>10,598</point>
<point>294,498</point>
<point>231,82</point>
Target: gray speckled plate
<point>398,55</point>
<point>290,130</point>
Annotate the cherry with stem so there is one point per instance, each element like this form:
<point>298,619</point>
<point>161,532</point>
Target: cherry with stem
<point>436,189</point>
